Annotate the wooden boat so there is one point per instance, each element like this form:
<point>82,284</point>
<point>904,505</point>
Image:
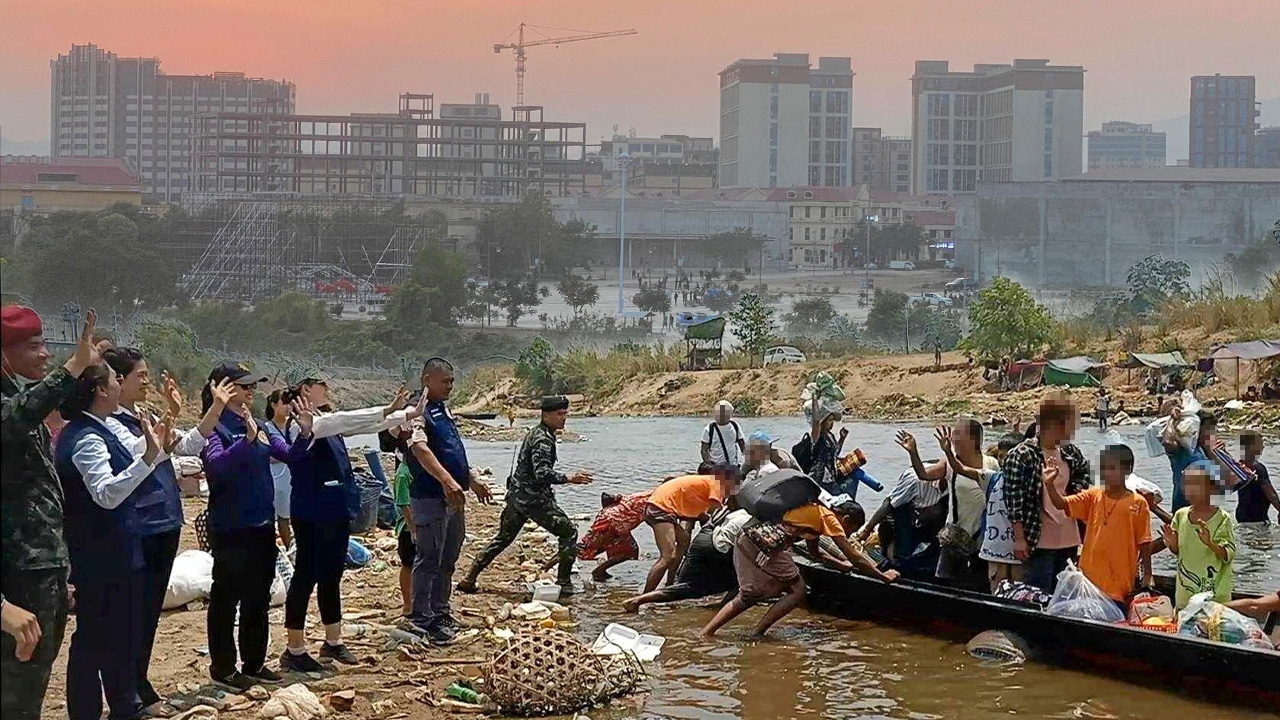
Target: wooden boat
<point>1227,673</point>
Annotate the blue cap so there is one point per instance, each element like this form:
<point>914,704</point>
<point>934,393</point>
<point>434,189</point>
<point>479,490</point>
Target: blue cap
<point>760,437</point>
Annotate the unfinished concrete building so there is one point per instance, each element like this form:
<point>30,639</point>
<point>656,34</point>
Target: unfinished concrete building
<point>467,151</point>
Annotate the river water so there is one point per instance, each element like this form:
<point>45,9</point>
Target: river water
<point>818,666</point>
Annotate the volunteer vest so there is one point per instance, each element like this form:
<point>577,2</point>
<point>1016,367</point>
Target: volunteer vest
<point>242,495</point>
<point>157,500</point>
<point>323,483</point>
<point>102,542</point>
<point>446,444</point>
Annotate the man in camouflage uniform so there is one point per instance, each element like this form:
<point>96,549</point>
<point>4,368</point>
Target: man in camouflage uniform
<point>530,497</point>
<point>33,553</point>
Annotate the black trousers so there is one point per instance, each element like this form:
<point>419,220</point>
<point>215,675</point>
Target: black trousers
<point>42,593</point>
<point>244,564</point>
<point>103,659</point>
<point>321,558</point>
<point>158,552</point>
<point>704,571</point>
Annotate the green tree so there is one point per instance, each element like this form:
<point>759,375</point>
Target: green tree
<point>578,292</point>
<point>515,240</point>
<point>536,366</point>
<point>652,300</point>
<point>1006,322</point>
<point>518,297</point>
<point>1155,281</point>
<point>753,325</point>
<point>409,312</point>
<point>887,318</point>
<point>735,248</point>
<point>443,273</point>
<point>809,317</point>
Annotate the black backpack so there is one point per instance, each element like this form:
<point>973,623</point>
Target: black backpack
<point>768,496</point>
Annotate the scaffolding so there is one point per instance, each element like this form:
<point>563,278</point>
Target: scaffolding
<point>340,249</point>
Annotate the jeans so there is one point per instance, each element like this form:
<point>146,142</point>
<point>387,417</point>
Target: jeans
<point>1043,566</point>
<point>103,658</point>
<point>158,552</point>
<point>321,558</point>
<point>244,564</point>
<point>438,534</point>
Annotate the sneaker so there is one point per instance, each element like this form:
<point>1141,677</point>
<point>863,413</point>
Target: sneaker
<point>267,675</point>
<point>235,680</point>
<point>449,623</point>
<point>339,653</point>
<point>439,636</point>
<point>303,663</point>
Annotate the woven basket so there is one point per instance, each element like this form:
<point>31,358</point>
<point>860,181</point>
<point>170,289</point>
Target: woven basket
<point>549,672</point>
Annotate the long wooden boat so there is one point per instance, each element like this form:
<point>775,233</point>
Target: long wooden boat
<point>1225,673</point>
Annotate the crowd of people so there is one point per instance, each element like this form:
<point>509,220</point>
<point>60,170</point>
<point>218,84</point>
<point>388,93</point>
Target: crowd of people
<point>92,514</point>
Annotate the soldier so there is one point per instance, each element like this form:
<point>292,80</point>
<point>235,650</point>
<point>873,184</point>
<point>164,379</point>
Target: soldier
<point>530,497</point>
<point>33,553</point>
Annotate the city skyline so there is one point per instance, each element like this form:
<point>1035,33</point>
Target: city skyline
<point>353,60</point>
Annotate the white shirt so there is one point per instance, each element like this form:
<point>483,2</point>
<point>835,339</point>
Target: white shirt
<point>364,421</point>
<point>724,535</point>
<point>767,467</point>
<point>92,458</point>
<point>712,434</point>
<point>189,445</point>
<point>997,540</point>
<point>971,495</point>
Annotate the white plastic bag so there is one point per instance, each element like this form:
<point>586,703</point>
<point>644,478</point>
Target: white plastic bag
<point>284,575</point>
<point>616,638</point>
<point>190,579</point>
<point>1188,427</point>
<point>1077,597</point>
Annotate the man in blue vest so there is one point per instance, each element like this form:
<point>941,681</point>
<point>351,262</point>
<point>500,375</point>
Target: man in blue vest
<point>436,514</point>
<point>33,552</point>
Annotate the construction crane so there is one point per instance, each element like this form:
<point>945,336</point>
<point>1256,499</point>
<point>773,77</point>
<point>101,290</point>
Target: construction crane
<point>519,46</point>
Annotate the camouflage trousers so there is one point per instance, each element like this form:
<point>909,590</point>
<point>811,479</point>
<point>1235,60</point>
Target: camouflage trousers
<point>42,593</point>
<point>547,514</point>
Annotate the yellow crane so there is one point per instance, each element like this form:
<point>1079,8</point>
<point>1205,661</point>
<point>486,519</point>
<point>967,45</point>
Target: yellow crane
<point>519,47</point>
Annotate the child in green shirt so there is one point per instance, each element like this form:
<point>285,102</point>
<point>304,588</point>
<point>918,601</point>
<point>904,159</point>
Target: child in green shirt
<point>404,538</point>
<point>1203,536</point>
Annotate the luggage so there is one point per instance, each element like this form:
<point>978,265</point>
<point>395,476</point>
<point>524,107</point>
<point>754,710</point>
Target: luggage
<point>769,496</point>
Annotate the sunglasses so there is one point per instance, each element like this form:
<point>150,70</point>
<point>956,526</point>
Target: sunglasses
<point>249,386</point>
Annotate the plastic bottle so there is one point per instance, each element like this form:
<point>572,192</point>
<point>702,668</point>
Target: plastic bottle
<point>465,694</point>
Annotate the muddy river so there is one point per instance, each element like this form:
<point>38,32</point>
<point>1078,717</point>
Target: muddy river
<point>819,666</point>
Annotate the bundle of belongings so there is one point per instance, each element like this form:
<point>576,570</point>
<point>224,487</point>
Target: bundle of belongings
<point>1205,618</point>
<point>1152,611</point>
<point>822,396</point>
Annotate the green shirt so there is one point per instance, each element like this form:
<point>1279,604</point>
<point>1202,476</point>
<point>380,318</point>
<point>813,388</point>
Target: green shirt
<point>1199,569</point>
<point>403,478</point>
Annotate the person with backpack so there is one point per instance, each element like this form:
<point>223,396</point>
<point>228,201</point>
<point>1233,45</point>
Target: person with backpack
<point>722,440</point>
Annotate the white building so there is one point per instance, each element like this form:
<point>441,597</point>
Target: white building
<point>784,123</point>
<point>999,123</point>
<point>106,106</point>
<point>1126,145</point>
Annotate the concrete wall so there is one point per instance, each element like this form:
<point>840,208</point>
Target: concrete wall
<point>1081,234</point>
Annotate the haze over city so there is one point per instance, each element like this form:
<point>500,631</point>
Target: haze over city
<point>358,56</point>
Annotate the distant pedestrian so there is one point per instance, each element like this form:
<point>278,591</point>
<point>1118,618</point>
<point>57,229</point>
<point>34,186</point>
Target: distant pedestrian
<point>722,440</point>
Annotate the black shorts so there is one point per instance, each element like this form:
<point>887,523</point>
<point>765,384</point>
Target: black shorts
<point>408,551</point>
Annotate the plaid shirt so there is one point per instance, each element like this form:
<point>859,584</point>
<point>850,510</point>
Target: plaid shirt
<point>1024,484</point>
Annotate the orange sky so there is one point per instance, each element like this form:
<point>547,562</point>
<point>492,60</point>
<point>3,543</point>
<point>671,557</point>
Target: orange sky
<point>358,55</point>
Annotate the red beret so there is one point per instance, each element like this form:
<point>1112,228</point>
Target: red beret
<point>18,324</point>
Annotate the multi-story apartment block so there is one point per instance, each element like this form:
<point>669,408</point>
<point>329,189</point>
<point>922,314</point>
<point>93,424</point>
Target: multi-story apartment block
<point>881,162</point>
<point>1224,121</point>
<point>784,122</point>
<point>1000,123</point>
<point>1126,145</point>
<point>106,106</point>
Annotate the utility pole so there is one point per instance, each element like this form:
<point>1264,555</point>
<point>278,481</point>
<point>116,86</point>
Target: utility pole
<point>624,160</point>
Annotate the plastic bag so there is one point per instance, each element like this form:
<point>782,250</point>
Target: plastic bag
<point>1148,605</point>
<point>284,575</point>
<point>1210,620</point>
<point>824,407</point>
<point>190,579</point>
<point>357,554</point>
<point>1077,597</point>
<point>1188,427</point>
<point>822,396</point>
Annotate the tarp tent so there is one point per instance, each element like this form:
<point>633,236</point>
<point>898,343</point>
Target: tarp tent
<point>1077,371</point>
<point>1253,350</point>
<point>1238,363</point>
<point>1160,361</point>
<point>703,341</point>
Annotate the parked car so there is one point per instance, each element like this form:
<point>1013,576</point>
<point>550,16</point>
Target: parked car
<point>962,284</point>
<point>783,354</point>
<point>901,265</point>
<point>933,299</point>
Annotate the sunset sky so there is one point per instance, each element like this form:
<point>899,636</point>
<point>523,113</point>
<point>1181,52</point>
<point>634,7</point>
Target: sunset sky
<point>358,55</point>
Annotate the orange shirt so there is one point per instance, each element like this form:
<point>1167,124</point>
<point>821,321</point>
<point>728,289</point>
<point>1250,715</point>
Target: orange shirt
<point>1114,528</point>
<point>816,518</point>
<point>689,496</point>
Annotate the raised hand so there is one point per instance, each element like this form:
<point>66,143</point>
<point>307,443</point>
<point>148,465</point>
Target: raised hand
<point>172,394</point>
<point>1202,531</point>
<point>88,353</point>
<point>152,433</point>
<point>304,414</point>
<point>400,401</point>
<point>906,441</point>
<point>1049,472</point>
<point>222,394</point>
<point>943,434</point>
<point>1170,537</point>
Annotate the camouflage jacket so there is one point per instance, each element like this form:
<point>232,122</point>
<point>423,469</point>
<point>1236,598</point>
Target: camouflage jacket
<point>535,471</point>
<point>30,494</point>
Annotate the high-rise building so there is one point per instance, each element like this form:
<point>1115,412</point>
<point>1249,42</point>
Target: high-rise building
<point>881,162</point>
<point>1126,145</point>
<point>112,107</point>
<point>1266,147</point>
<point>784,122</point>
<point>1224,119</point>
<point>999,123</point>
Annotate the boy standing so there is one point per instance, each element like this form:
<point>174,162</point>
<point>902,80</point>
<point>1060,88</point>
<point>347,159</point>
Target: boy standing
<point>1203,536</point>
<point>1117,525</point>
<point>1255,498</point>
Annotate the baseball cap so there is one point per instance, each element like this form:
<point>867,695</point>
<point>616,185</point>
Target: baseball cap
<point>237,372</point>
<point>760,437</point>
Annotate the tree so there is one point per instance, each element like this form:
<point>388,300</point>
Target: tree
<point>1006,322</point>
<point>1154,281</point>
<point>652,300</point>
<point>809,317</point>
<point>753,324</point>
<point>578,292</point>
<point>536,366</point>
<point>515,240</point>
<point>444,273</point>
<point>735,248</point>
<point>410,312</point>
<point>718,299</point>
<point>518,297</point>
<point>887,319</point>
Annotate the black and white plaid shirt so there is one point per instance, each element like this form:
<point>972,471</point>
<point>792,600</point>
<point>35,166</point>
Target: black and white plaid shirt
<point>1024,484</point>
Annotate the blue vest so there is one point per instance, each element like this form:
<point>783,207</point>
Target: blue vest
<point>102,542</point>
<point>324,484</point>
<point>157,500</point>
<point>243,497</point>
<point>446,444</point>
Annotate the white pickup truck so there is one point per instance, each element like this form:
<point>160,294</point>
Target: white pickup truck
<point>933,299</point>
<point>901,265</point>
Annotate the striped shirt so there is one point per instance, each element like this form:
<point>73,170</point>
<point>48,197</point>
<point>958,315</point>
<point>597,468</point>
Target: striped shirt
<point>920,493</point>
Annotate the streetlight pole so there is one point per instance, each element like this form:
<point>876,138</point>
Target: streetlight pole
<point>866,261</point>
<point>624,160</point>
